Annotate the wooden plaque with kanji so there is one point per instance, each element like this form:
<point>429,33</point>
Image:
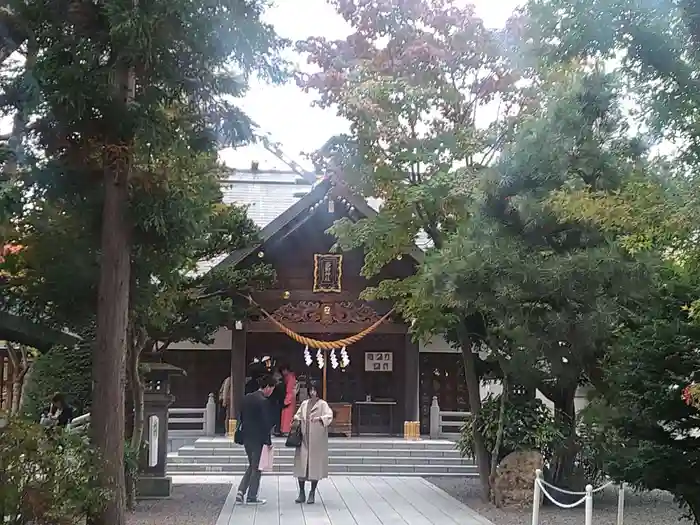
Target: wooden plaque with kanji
<point>328,272</point>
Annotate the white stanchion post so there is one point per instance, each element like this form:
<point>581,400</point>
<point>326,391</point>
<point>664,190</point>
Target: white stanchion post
<point>589,505</point>
<point>435,429</point>
<point>210,416</point>
<point>621,505</point>
<point>536,498</point>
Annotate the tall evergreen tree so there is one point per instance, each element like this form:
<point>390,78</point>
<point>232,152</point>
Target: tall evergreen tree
<point>550,291</point>
<point>114,92</point>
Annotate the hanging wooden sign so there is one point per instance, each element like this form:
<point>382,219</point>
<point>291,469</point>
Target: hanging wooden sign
<point>379,361</point>
<point>328,272</point>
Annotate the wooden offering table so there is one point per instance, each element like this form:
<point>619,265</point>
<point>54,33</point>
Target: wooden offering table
<point>342,419</point>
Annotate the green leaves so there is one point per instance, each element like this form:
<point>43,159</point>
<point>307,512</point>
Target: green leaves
<point>190,62</point>
<point>411,94</point>
<point>656,43</point>
<point>41,484</point>
<point>528,426</point>
<point>645,374</point>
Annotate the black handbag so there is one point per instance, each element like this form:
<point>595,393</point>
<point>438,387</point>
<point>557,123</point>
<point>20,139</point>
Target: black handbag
<point>294,437</point>
<point>238,434</point>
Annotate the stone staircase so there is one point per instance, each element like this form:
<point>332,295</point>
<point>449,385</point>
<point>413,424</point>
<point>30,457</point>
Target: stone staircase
<point>348,457</point>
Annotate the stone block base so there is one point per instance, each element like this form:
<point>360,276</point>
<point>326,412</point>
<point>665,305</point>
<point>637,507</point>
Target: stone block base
<point>150,487</point>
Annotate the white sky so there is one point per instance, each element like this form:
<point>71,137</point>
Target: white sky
<point>285,112</point>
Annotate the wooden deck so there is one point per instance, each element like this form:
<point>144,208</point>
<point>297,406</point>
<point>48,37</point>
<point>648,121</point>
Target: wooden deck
<point>352,501</point>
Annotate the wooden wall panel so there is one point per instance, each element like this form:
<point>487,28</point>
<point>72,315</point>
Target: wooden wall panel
<point>206,371</point>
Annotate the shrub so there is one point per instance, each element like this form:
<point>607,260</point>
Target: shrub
<point>529,425</point>
<point>63,369</point>
<point>47,476</point>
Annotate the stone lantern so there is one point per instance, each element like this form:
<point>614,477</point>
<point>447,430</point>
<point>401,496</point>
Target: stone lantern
<point>152,482</point>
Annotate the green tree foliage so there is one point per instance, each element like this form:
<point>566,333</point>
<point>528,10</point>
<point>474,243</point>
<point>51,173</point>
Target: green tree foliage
<point>414,95</point>
<point>178,223</point>
<point>39,485</point>
<point>651,430</point>
<point>528,425</point>
<point>65,370</point>
<point>655,46</point>
<point>550,291</point>
<point>645,373</point>
<point>111,101</point>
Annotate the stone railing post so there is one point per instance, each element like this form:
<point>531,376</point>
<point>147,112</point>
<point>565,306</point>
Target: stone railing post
<point>435,419</point>
<point>210,417</point>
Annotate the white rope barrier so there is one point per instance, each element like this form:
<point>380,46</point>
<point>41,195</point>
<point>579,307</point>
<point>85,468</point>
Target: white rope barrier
<point>561,505</point>
<point>587,499</point>
<point>571,493</point>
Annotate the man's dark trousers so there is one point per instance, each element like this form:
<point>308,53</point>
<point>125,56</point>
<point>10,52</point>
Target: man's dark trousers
<point>251,479</point>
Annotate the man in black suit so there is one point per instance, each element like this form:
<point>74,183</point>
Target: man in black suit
<point>256,426</point>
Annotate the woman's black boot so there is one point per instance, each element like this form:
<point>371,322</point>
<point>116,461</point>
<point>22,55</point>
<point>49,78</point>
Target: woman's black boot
<point>312,494</point>
<point>302,493</point>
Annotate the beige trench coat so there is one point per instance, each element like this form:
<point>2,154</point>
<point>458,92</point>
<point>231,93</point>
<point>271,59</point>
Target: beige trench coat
<point>311,459</point>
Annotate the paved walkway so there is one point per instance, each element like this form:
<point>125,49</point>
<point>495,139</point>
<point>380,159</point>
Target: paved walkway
<point>352,500</point>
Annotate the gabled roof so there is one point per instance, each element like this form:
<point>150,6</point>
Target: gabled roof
<point>317,193</point>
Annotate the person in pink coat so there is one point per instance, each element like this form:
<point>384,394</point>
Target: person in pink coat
<point>290,398</point>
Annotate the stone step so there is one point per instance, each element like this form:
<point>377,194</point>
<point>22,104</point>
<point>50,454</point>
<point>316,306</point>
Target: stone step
<point>344,443</point>
<point>363,469</point>
<point>231,476</point>
<point>238,451</point>
<point>333,460</point>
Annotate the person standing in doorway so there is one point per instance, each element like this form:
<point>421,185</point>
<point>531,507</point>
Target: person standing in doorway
<point>255,429</point>
<point>311,459</point>
<point>224,401</point>
<point>290,398</point>
<point>277,401</point>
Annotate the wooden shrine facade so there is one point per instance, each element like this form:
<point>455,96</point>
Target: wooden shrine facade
<point>317,295</point>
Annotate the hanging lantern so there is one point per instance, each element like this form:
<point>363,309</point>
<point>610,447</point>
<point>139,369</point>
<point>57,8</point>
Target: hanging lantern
<point>319,358</point>
<point>307,356</point>
<point>334,360</point>
<point>344,358</point>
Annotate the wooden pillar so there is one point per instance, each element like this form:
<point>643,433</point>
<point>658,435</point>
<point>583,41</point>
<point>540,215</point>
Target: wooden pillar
<point>412,380</point>
<point>238,365</point>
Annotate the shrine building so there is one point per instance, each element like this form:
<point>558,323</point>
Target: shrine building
<point>375,381</point>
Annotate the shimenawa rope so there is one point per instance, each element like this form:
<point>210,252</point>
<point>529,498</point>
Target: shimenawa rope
<point>316,343</point>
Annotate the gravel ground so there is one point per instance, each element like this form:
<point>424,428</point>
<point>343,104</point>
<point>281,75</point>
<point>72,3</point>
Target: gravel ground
<point>189,505</point>
<point>648,508</point>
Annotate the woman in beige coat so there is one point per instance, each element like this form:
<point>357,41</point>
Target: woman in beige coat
<point>311,459</point>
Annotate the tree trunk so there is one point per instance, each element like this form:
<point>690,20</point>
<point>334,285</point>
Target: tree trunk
<point>20,365</point>
<point>136,389</point>
<point>500,431</point>
<point>562,471</point>
<point>474,394</point>
<point>8,384</point>
<point>17,392</point>
<point>107,415</point>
